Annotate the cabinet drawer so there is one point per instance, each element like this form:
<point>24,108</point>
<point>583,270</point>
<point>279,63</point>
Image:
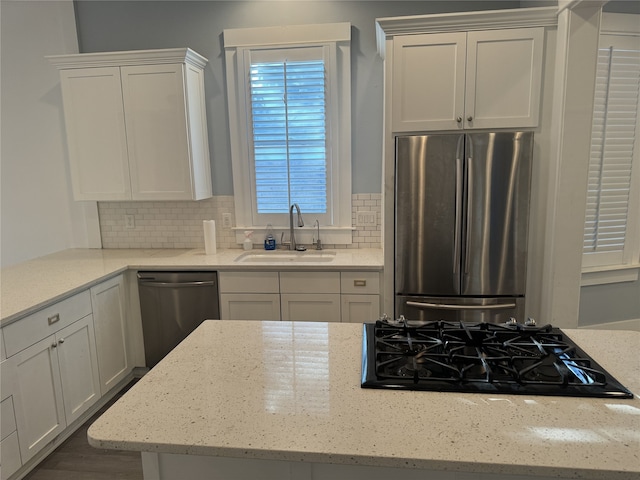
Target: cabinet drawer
<point>7,418</point>
<point>9,456</point>
<point>310,282</point>
<point>360,282</point>
<point>248,282</point>
<point>33,328</point>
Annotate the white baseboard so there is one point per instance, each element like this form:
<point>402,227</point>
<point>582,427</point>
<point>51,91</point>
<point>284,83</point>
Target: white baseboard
<point>631,324</point>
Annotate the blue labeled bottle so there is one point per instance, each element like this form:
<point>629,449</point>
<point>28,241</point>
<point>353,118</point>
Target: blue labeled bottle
<point>269,239</point>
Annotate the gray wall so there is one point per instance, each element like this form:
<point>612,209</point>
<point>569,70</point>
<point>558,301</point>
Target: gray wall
<point>609,303</point>
<point>126,25</point>
<point>38,213</point>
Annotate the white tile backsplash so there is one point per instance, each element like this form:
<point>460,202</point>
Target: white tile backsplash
<point>179,224</point>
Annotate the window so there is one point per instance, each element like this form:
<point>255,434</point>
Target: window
<point>289,116</point>
<point>612,238</point>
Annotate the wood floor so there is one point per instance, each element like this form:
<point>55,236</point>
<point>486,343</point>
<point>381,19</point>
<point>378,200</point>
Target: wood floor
<point>75,459</point>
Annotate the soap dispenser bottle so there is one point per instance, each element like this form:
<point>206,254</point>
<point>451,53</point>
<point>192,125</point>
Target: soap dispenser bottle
<point>247,244</point>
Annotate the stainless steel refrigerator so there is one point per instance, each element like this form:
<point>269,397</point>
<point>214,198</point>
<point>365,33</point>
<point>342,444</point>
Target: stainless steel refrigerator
<point>461,225</point>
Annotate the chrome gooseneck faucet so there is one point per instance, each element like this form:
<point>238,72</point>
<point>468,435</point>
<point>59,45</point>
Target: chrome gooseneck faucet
<point>292,236</point>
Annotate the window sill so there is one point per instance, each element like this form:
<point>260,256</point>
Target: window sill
<point>604,275</point>
<point>304,236</point>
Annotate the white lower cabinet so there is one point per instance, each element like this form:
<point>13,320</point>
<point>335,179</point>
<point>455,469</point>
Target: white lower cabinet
<point>58,366</point>
<point>249,295</point>
<point>360,296</point>
<point>78,367</point>
<point>360,308</point>
<point>108,303</point>
<point>310,296</point>
<point>9,456</point>
<point>250,306</point>
<point>56,381</point>
<point>10,459</point>
<point>310,307</point>
<point>316,296</point>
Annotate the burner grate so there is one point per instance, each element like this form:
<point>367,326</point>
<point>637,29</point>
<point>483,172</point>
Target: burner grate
<point>481,357</point>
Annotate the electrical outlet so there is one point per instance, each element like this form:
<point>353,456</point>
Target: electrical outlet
<point>366,219</point>
<point>226,220</point>
<point>129,222</point>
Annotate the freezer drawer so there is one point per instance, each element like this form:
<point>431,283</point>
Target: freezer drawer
<point>466,309</point>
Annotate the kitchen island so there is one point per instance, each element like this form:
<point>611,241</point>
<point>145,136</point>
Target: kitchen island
<point>282,400</point>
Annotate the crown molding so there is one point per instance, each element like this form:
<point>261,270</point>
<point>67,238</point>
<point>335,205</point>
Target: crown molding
<point>132,57</point>
<point>467,21</point>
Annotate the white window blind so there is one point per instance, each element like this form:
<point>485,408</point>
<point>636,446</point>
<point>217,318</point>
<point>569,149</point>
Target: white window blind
<point>289,135</point>
<point>611,211</point>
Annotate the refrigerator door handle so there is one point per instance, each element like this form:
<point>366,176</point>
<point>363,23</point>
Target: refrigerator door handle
<point>469,208</point>
<point>458,211</point>
<point>447,306</point>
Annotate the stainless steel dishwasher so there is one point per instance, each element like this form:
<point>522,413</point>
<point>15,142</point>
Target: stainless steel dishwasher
<point>173,304</point>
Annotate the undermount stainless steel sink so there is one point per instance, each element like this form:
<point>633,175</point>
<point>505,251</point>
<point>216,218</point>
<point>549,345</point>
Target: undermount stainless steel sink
<point>286,256</point>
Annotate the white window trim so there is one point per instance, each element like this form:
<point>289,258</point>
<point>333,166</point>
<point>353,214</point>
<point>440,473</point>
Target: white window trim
<point>629,269</point>
<point>236,41</point>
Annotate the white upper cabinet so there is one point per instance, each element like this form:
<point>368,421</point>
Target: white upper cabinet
<point>428,81</point>
<point>466,80</point>
<point>136,125</point>
<point>503,78</point>
<point>96,134</point>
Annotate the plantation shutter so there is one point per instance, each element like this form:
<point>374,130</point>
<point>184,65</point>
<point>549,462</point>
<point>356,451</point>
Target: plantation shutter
<point>614,133</point>
<point>288,111</point>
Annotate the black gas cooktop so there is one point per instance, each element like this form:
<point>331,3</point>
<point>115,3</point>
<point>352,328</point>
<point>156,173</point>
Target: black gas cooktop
<point>464,357</point>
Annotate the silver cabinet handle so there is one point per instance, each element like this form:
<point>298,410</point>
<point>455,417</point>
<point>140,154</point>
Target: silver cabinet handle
<point>53,319</point>
<point>359,283</point>
<point>446,306</point>
<point>61,341</point>
<point>469,118</point>
<point>54,345</point>
<point>459,119</point>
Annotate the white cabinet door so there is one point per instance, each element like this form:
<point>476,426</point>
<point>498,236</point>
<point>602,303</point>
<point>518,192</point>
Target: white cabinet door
<point>136,125</point>
<point>96,138</point>
<point>108,302</point>
<point>154,101</point>
<point>460,80</point>
<point>250,306</point>
<point>504,76</point>
<point>310,307</point>
<point>428,82</point>
<point>38,396</point>
<point>360,308</point>
<point>78,367</point>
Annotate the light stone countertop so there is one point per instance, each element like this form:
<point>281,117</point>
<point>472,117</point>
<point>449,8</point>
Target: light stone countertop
<point>291,391</point>
<point>29,286</point>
